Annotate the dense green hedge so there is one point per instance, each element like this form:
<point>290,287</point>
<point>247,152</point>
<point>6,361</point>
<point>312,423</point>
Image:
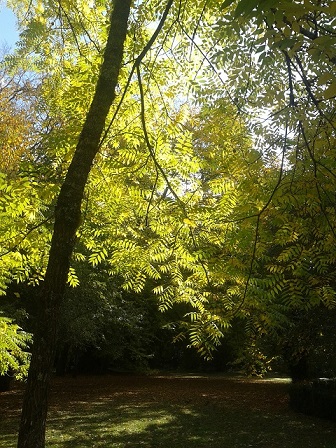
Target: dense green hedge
<point>316,397</point>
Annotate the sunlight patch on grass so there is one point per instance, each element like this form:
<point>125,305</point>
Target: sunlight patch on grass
<point>177,414</point>
<point>103,427</point>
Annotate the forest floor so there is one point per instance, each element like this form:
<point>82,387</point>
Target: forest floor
<point>170,411</point>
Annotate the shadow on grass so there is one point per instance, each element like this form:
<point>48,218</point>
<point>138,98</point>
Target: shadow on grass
<point>131,419</point>
<point>173,426</point>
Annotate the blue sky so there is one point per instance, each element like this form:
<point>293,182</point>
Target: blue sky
<point>8,31</point>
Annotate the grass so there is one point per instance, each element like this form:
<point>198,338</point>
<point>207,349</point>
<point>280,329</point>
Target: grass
<point>170,412</point>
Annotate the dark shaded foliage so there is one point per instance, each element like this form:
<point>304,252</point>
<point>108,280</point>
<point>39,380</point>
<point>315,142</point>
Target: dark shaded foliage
<point>316,398</point>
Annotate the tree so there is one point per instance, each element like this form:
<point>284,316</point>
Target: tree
<point>20,205</point>
<point>67,215</point>
<point>104,327</point>
<point>67,219</point>
<point>168,168</point>
<point>294,43</point>
<point>195,210</point>
<point>15,123</point>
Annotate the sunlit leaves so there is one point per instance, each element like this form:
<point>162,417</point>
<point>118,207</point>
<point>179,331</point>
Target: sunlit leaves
<point>14,355</point>
<point>181,193</point>
<point>22,230</point>
<point>72,278</point>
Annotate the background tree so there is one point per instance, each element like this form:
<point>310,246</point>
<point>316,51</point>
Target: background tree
<point>294,117</point>
<point>104,328</point>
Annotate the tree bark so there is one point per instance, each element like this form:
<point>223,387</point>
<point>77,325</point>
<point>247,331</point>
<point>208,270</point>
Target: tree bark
<point>67,219</point>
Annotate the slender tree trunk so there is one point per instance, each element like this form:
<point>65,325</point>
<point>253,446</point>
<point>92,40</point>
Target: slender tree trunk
<point>67,219</point>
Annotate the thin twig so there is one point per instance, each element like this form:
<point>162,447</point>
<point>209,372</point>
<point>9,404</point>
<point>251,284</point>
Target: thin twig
<point>16,246</point>
<point>264,208</point>
<point>150,147</point>
<point>136,64</point>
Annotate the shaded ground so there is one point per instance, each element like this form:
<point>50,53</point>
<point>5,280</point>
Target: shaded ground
<point>170,411</point>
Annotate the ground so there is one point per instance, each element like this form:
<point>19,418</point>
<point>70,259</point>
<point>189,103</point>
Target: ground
<point>175,411</point>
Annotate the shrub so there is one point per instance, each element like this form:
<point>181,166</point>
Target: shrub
<point>316,397</point>
<point>14,359</point>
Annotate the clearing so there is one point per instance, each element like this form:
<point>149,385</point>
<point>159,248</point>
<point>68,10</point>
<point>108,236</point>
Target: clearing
<point>170,411</point>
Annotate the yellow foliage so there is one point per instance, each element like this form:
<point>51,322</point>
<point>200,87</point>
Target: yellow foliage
<point>14,132</point>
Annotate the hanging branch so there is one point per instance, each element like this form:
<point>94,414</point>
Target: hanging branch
<point>310,152</point>
<point>23,237</point>
<point>290,79</point>
<point>149,146</point>
<point>315,101</point>
<point>136,64</point>
<point>262,211</point>
<point>151,198</point>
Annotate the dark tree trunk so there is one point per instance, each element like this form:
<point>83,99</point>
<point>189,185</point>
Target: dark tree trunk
<point>67,218</point>
<point>299,369</point>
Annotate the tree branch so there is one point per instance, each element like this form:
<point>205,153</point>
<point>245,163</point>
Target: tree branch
<point>149,146</point>
<point>136,64</point>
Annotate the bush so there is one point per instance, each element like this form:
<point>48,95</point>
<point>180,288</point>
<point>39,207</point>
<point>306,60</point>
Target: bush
<point>316,398</point>
<point>14,357</point>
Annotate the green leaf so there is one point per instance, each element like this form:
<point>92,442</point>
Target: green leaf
<point>245,7</point>
<point>324,78</point>
<point>330,92</point>
<point>226,4</point>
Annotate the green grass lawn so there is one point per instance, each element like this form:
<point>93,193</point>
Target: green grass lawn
<point>170,412</point>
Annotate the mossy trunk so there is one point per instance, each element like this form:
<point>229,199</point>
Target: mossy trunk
<point>67,220</point>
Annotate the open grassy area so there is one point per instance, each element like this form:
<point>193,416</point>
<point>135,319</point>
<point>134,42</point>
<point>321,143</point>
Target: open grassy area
<point>170,412</point>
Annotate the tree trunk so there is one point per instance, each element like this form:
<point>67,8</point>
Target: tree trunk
<point>67,219</point>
